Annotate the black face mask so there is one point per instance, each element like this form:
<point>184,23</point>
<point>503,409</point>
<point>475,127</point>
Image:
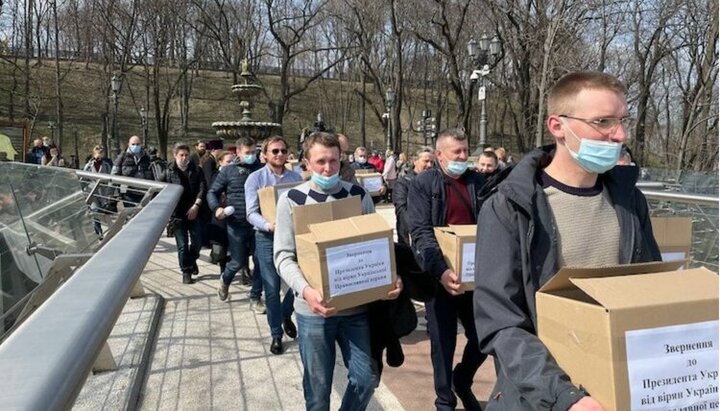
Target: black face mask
<point>490,174</point>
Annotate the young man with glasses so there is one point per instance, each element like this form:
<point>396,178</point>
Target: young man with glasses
<point>562,205</point>
<point>278,314</point>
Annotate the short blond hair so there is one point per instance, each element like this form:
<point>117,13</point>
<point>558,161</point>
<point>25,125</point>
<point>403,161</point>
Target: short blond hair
<point>562,94</point>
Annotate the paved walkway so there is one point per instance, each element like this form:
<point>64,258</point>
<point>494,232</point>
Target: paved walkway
<point>215,355</point>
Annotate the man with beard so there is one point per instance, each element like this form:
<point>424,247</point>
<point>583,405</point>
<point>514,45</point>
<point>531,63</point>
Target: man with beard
<point>275,150</point>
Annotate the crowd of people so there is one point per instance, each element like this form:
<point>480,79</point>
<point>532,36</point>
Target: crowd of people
<point>533,217</point>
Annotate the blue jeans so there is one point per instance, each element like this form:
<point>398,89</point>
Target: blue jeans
<point>241,242</point>
<point>188,253</point>
<point>318,336</point>
<point>276,312</point>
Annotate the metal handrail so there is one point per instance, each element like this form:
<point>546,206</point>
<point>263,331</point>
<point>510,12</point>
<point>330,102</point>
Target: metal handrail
<point>699,199</point>
<point>45,362</point>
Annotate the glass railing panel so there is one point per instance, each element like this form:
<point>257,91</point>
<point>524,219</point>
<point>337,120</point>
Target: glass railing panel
<point>704,250</point>
<point>43,214</point>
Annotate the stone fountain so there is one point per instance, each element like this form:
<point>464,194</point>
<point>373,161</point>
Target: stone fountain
<point>246,127</point>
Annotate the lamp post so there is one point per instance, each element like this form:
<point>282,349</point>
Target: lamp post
<point>144,124</point>
<point>115,86</point>
<point>483,54</point>
<point>389,103</point>
<point>51,127</point>
<point>75,143</point>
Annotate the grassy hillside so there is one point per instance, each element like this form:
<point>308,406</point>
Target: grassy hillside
<point>85,99</point>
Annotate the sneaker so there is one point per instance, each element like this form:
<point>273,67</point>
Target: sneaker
<point>257,306</point>
<point>223,290</point>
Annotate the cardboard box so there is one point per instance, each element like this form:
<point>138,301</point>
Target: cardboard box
<point>351,259</point>
<point>372,182</point>
<point>625,333</point>
<point>268,198</point>
<point>674,236</point>
<point>457,243</point>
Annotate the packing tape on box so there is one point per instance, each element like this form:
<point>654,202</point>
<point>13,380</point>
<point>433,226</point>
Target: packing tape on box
<point>592,342</point>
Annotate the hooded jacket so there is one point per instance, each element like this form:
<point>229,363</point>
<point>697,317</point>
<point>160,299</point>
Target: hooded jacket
<point>516,254</point>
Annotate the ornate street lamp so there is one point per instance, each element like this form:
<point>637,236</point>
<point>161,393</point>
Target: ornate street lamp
<point>144,124</point>
<point>483,54</point>
<point>115,87</point>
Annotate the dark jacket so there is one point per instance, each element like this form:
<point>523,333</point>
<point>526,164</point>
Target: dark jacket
<point>347,172</point>
<point>129,165</point>
<point>363,166</point>
<point>516,254</point>
<point>231,181</point>
<point>399,198</point>
<point>209,167</point>
<point>426,209</point>
<point>193,185</point>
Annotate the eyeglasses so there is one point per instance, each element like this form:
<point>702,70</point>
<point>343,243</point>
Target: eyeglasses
<point>605,124</point>
<point>277,151</point>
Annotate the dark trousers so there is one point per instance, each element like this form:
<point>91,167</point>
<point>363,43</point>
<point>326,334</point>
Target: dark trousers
<point>443,311</point>
<point>188,246</point>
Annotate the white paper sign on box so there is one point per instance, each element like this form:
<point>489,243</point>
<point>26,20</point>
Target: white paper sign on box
<point>673,256</point>
<point>468,263</point>
<point>358,266</point>
<point>372,184</point>
<point>673,367</point>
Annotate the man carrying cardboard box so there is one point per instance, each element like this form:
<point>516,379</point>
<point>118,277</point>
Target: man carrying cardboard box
<point>275,150</point>
<point>440,197</point>
<point>562,205</point>
<point>320,327</point>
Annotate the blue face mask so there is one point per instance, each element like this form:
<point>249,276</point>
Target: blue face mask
<point>456,168</point>
<point>595,156</point>
<point>325,183</point>
<point>135,149</point>
<point>248,159</point>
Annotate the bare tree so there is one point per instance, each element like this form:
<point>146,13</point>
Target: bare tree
<point>289,24</point>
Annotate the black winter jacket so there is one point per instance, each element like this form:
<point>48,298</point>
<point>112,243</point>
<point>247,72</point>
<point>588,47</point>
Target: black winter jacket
<point>231,181</point>
<point>193,184</point>
<point>129,165</point>
<point>400,200</point>
<point>516,254</point>
<point>426,209</point>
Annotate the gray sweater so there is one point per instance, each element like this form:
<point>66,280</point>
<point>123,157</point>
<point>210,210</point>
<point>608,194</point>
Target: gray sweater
<point>285,254</point>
